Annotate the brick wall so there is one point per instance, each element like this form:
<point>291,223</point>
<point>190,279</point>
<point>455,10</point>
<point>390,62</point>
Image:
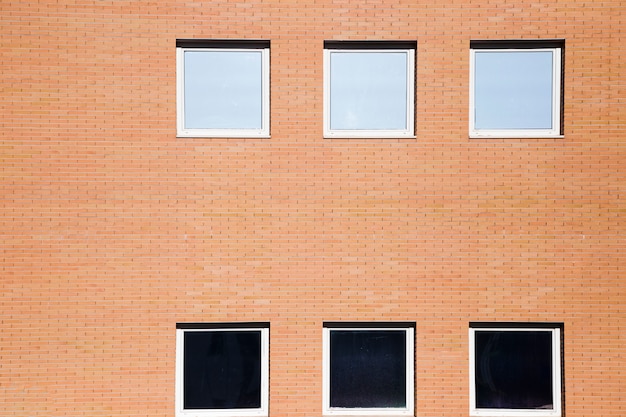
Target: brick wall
<point>113,230</point>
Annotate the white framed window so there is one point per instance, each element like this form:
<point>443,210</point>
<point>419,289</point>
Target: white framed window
<point>222,369</point>
<point>515,88</point>
<point>515,369</point>
<point>223,88</point>
<point>368,368</point>
<point>369,89</point>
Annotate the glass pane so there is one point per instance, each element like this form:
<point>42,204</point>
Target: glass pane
<point>367,368</point>
<point>222,370</point>
<point>513,90</point>
<point>223,89</point>
<point>368,90</point>
<point>514,369</point>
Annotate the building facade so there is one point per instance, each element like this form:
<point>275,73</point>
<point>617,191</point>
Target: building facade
<point>401,208</point>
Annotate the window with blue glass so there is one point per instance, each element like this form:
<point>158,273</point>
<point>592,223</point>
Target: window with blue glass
<point>223,88</point>
<point>516,88</point>
<point>369,89</point>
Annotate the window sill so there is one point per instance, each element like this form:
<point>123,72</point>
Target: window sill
<point>220,136</point>
<point>368,136</point>
<point>514,136</point>
<point>369,413</point>
<point>514,413</point>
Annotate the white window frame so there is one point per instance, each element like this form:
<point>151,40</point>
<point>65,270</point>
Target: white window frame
<point>223,46</point>
<point>409,329</point>
<point>555,131</point>
<point>262,328</point>
<point>373,47</point>
<point>556,373</point>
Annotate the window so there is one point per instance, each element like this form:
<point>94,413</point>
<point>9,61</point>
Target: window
<point>368,368</point>
<point>515,88</point>
<point>369,89</point>
<point>222,369</point>
<point>515,369</point>
<point>223,88</point>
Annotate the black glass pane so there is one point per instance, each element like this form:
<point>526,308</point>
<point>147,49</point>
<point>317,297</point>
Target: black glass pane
<point>222,370</point>
<point>367,368</point>
<point>513,369</point>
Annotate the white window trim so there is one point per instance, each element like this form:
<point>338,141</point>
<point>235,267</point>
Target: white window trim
<point>263,132</point>
<point>505,412</point>
<point>379,411</point>
<point>554,132</point>
<point>237,412</point>
<point>408,132</point>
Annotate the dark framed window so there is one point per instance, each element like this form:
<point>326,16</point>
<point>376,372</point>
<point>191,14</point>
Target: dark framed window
<point>368,368</point>
<point>222,369</point>
<point>515,369</point>
<point>516,88</point>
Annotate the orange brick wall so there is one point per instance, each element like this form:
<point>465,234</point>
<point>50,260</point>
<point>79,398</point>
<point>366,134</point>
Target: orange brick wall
<point>113,229</point>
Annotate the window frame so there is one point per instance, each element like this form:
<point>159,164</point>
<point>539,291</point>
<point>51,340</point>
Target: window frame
<point>557,47</point>
<point>182,328</point>
<point>409,329</point>
<point>408,47</point>
<point>556,330</point>
<point>209,45</point>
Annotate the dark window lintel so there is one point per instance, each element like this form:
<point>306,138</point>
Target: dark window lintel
<point>517,43</point>
<point>370,44</point>
<point>223,43</point>
<point>237,325</point>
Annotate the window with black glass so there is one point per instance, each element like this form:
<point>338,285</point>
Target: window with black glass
<point>515,369</point>
<point>222,369</point>
<point>368,368</point>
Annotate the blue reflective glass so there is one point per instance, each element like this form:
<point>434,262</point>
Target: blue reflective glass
<point>223,89</point>
<point>368,90</point>
<point>513,89</point>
